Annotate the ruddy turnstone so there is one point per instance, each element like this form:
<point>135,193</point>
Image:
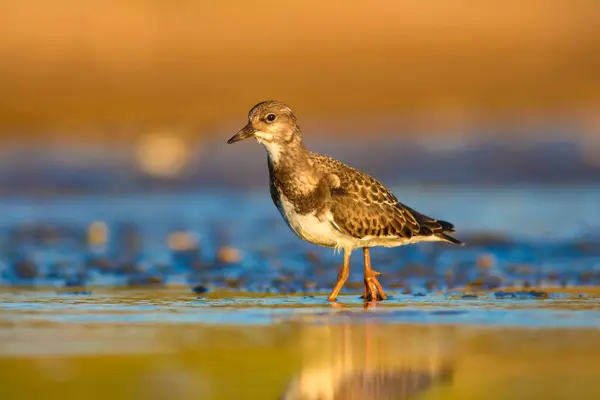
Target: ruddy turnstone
<point>331,204</point>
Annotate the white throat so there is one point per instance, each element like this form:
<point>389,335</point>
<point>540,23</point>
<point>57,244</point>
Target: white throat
<point>274,151</point>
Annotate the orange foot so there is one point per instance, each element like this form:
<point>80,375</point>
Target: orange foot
<point>373,289</point>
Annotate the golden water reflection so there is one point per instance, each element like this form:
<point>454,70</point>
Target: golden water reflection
<point>356,362</point>
<point>289,360</point>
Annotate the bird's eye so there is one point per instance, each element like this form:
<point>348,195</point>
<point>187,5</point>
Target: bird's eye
<point>271,117</point>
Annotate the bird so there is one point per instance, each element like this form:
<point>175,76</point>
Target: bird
<point>331,204</point>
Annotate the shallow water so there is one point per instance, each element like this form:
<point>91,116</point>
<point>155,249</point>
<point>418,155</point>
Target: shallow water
<point>169,343</point>
<point>176,305</point>
<point>106,308</point>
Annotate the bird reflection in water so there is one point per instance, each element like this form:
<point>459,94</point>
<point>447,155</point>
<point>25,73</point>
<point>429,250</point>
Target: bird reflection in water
<point>370,361</point>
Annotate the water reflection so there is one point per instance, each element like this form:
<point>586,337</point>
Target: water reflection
<point>354,362</point>
<point>132,359</point>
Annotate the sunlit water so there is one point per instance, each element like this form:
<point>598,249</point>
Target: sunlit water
<point>111,312</point>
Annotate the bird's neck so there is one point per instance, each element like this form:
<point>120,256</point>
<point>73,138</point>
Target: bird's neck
<point>290,167</point>
<point>284,154</point>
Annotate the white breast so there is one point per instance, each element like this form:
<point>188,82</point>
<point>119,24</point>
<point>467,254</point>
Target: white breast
<point>310,228</point>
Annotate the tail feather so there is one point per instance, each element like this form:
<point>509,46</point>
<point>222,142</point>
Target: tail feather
<point>446,226</point>
<point>448,238</point>
<point>429,226</point>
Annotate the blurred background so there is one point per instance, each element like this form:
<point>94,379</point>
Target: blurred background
<point>129,95</point>
<point>114,117</point>
<point>115,174</point>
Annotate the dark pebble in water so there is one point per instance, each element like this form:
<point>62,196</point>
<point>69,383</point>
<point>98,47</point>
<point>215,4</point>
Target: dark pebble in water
<point>588,278</point>
<point>552,276</point>
<point>469,296</point>
<point>283,279</point>
<point>26,270</point>
<point>505,295</point>
<point>101,264</point>
<point>286,289</point>
<point>531,294</point>
<point>430,285</point>
<point>419,294</point>
<point>145,280</point>
<point>232,283</point>
<point>199,289</point>
<point>75,293</point>
<point>129,268</point>
<point>486,282</point>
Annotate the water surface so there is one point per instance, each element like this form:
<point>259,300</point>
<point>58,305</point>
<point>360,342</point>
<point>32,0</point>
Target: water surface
<point>208,295</point>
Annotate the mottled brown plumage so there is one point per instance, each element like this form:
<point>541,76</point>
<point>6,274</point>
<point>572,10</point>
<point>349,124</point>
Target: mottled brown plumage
<point>332,204</point>
<point>362,206</point>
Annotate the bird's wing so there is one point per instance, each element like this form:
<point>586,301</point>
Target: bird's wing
<point>361,206</point>
<point>359,219</point>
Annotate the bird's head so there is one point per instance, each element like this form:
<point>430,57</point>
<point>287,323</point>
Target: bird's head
<point>270,123</point>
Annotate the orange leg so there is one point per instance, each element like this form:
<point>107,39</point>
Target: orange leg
<point>342,277</point>
<point>373,289</point>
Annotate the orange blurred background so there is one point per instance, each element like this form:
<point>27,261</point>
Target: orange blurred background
<point>130,88</point>
<point>112,69</point>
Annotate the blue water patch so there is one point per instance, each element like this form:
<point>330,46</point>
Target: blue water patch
<point>206,242</point>
<point>550,312</point>
<point>237,240</point>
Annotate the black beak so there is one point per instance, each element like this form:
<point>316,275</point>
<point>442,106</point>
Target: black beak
<point>245,133</point>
